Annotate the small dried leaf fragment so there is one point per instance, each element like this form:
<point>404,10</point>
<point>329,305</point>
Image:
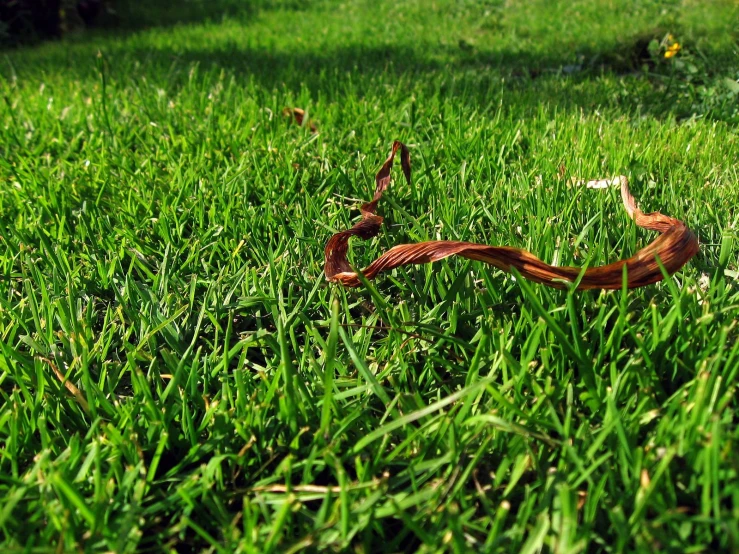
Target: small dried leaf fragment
<point>298,116</point>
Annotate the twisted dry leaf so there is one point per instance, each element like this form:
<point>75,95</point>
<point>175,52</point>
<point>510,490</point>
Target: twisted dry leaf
<point>674,247</point>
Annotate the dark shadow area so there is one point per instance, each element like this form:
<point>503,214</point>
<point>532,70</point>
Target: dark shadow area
<point>28,22</point>
<point>135,15</point>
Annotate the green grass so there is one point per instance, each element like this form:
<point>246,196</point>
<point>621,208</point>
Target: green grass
<point>162,230</point>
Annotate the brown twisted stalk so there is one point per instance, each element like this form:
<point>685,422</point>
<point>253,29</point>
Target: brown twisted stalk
<point>674,247</point>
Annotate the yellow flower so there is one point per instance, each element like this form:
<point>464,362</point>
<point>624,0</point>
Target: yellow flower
<point>673,48</point>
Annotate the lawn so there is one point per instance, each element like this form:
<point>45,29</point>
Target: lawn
<point>177,375</point>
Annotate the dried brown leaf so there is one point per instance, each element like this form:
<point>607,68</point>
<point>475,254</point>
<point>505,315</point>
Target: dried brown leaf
<point>675,246</point>
<point>298,116</point>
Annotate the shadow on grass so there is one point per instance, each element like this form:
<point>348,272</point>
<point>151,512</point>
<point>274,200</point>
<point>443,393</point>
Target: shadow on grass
<point>570,77</point>
<point>622,77</point>
<point>521,82</point>
<point>134,15</point>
